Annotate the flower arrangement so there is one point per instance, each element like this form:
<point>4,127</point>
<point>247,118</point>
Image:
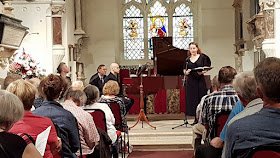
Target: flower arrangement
<point>24,65</point>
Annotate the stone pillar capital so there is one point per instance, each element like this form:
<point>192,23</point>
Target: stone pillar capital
<point>58,8</point>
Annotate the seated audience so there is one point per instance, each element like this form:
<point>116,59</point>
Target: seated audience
<point>92,93</point>
<point>245,86</point>
<point>110,91</point>
<point>52,86</point>
<point>38,97</point>
<point>9,79</point>
<point>113,75</point>
<point>89,136</point>
<point>98,78</point>
<point>261,128</point>
<point>219,101</point>
<point>198,129</point>
<point>32,124</point>
<point>13,146</point>
<point>78,85</point>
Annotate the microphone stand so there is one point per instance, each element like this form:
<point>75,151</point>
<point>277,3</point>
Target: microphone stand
<point>184,80</point>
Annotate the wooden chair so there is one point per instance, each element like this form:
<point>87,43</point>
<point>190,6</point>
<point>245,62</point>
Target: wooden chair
<point>100,121</point>
<point>98,118</point>
<point>118,124</point>
<point>221,120</point>
<point>265,151</point>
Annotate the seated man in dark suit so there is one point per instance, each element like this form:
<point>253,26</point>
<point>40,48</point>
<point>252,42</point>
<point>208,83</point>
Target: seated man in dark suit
<point>261,128</point>
<point>113,75</point>
<point>98,78</point>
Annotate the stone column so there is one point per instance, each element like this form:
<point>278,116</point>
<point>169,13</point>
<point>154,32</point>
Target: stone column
<point>277,27</point>
<point>268,45</point>
<point>78,15</point>
<point>58,50</point>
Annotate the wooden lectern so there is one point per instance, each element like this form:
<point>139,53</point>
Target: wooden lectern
<point>142,115</point>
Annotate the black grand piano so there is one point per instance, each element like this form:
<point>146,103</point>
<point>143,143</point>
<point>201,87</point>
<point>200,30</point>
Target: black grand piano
<point>168,75</point>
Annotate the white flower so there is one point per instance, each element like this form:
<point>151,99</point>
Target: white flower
<point>32,64</point>
<point>29,72</point>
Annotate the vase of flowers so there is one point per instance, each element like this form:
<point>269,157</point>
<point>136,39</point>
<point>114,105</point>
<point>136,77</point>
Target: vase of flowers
<point>24,65</point>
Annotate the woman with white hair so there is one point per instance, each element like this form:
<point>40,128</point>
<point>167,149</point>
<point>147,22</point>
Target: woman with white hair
<point>13,146</point>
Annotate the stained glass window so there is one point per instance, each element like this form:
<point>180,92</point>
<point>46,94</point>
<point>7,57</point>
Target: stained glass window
<point>137,37</point>
<point>157,24</point>
<point>182,27</point>
<point>133,34</point>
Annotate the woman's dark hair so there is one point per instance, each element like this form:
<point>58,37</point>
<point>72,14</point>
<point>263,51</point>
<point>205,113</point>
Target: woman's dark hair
<point>52,86</point>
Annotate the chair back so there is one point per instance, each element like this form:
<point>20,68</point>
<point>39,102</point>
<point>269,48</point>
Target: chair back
<point>266,151</point>
<point>221,120</point>
<point>117,114</point>
<point>99,118</point>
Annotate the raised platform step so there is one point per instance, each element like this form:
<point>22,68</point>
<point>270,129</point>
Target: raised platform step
<point>163,138</point>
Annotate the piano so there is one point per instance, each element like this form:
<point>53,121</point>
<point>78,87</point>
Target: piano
<point>166,86</point>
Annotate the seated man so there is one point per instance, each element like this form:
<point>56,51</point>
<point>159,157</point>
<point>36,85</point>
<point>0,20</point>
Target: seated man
<point>198,129</point>
<point>113,75</point>
<point>245,86</point>
<point>220,101</point>
<point>98,78</point>
<point>261,128</point>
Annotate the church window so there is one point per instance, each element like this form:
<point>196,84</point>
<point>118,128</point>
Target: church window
<point>182,27</point>
<point>155,18</point>
<point>133,34</point>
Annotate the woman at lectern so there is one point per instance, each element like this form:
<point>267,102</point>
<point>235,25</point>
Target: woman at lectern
<point>196,85</point>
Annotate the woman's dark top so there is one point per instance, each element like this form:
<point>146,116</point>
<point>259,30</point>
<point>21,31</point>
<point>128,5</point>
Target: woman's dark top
<point>13,145</point>
<point>196,86</point>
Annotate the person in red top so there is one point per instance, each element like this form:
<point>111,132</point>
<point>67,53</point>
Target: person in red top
<point>33,124</point>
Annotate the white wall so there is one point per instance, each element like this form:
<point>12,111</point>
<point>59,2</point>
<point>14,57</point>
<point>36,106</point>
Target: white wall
<point>101,24</point>
<point>217,37</point>
<point>35,17</point>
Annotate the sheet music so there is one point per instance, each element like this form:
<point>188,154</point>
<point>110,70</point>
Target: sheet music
<point>41,140</point>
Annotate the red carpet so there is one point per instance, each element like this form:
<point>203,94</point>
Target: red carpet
<point>162,154</point>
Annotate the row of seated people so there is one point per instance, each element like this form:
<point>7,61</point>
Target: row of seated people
<point>75,128</point>
<point>250,102</point>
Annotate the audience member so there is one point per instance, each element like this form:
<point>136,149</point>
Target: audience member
<point>53,85</point>
<point>110,91</point>
<point>245,86</point>
<point>92,93</point>
<point>63,70</point>
<point>78,85</point>
<point>32,124</point>
<point>38,97</point>
<point>13,145</point>
<point>98,78</point>
<point>219,101</point>
<point>88,133</point>
<point>10,78</point>
<point>198,129</point>
<point>261,128</point>
<point>113,75</point>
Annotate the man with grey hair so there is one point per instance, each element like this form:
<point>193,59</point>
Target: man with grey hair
<point>245,85</point>
<point>261,128</point>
